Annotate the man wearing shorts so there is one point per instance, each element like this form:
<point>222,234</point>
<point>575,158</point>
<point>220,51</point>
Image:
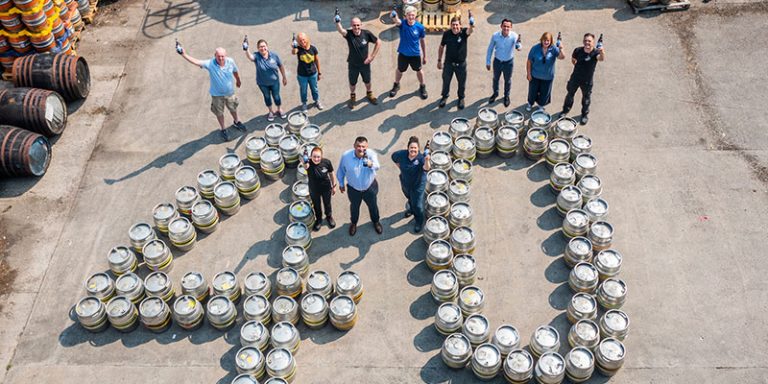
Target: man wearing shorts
<point>222,70</point>
<point>412,51</point>
<point>359,60</point>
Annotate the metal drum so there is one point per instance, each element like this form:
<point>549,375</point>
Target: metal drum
<point>461,170</point>
<point>221,312</point>
<point>582,306</point>
<point>296,121</point>
<point>471,300</point>
<point>205,217</point>
<point>485,140</point>
<point>182,234</point>
<point>583,278</point>
<point>558,151</point>
<point>281,364</point>
<point>257,283</point>
<point>563,175</point>
<point>314,310</point>
<point>91,314</point>
<point>540,119</point>
<point>437,181</point>
<point>477,329</point>
<point>514,119</point>
<point>185,198</point>
<point>487,117</point>
<point>463,240</point>
<point>441,142</point>
<point>226,198</point>
<point>206,180</point>
<point>460,215</point>
<point>289,148</point>
<point>591,187</point>
<point>141,234</point>
<point>343,313</point>
<point>544,339</point>
<point>445,286</point>
<point>307,146</point>
<point>612,293</point>
<point>253,147</point>
<point>101,286</point>
<point>155,314</point>
<point>436,228</point>
<point>272,164</point>
<point>464,148</point>
<point>122,314</point>
<point>507,141</point>
<point>225,284</point>
<point>254,334</point>
<point>301,211</point>
<point>437,204</point>
<point>159,284</point>
<point>188,313</point>
<point>569,198</point>
<point>245,378</point>
<point>301,174</point>
<point>550,369</point>
<point>448,319</point>
<point>300,191</point>
<point>310,134</point>
<point>296,258</point>
<point>580,144</point>
<point>465,268</point>
<point>320,282</point>
<point>456,351</point>
<point>579,364</point>
<point>247,182</point>
<point>273,133</point>
<point>250,360</point>
<point>597,209</point>
<point>459,127</point>
<point>228,164</point>
<point>609,356</point>
<point>486,361</point>
<point>518,367</point>
<point>439,255</point>
<point>298,234</point>
<point>157,256</point>
<point>194,284</point>
<point>257,308</point>
<point>576,223</point>
<point>288,282</point>
<point>579,249</point>
<point>440,160</point>
<point>162,215</point>
<point>122,260</point>
<point>601,235</point>
<point>535,143</point>
<point>285,335</point>
<point>565,128</point>
<point>585,164</point>
<point>614,323</point>
<point>608,263</point>
<point>459,191</point>
<point>130,286</point>
<point>349,283</point>
<point>584,333</point>
<point>506,339</point>
<point>284,308</point>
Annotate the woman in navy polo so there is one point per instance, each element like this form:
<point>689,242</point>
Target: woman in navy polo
<point>540,69</point>
<point>413,179</point>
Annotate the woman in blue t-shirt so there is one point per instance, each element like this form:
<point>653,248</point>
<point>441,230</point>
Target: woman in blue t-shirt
<point>541,70</point>
<point>413,179</point>
<point>268,65</point>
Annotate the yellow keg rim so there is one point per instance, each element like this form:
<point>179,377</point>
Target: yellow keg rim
<point>224,326</point>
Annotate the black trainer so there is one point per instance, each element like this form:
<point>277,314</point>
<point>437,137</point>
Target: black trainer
<point>493,98</point>
<point>423,91</point>
<point>239,125</point>
<point>461,103</point>
<point>224,134</point>
<point>442,103</point>
<point>584,120</point>
<point>393,91</point>
<point>506,101</point>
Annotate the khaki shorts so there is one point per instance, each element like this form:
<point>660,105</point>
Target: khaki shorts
<point>219,102</point>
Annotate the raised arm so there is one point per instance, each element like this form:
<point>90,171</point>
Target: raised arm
<point>191,59</point>
<point>341,29</point>
<point>249,55</point>
<point>396,18</point>
<point>601,54</point>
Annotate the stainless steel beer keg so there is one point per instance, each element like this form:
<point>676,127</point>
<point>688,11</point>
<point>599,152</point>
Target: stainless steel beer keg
<point>438,204</point>
<point>273,133</point>
<point>288,282</point>
<point>228,164</point>
<point>256,307</point>
<point>284,308</point>
<point>131,286</point>
<point>584,333</point>
<point>245,378</point>
<point>289,148</point>
<point>254,334</point>
<point>515,119</point>
<point>226,198</point>
<point>140,234</point>
<point>301,211</point>
<point>459,191</point>
<point>448,319</point>
<point>463,240</point>
<point>155,314</point>
<point>300,191</point>
<point>601,235</point>
<point>186,197</point>
<point>461,170</point>
<point>569,198</point>
<point>157,256</point>
<point>464,147</point>
<point>194,284</point>
<point>550,369</point>
<point>311,134</point>
<point>582,306</point>
<point>276,380</point>
<point>91,314</point>
<point>159,284</point>
<point>298,234</point>
<point>247,182</point>
<point>471,300</point>
<point>250,360</point>
<point>486,361</point>
<point>576,223</point>
<point>609,356</point>
<point>221,312</point>
<point>579,249</point>
<point>485,141</point>
<point>544,339</point>
<point>188,313</point>
<point>487,117</point>
<point>343,313</point>
<point>614,323</point>
<point>465,268</point>
<point>507,140</point>
<point>296,258</point>
<point>296,121</point>
<point>460,215</point>
<point>439,255</point>
<point>591,187</point>
<point>566,128</point>
<point>122,314</point>
<point>253,147</point>
<point>563,175</point>
<point>579,364</point>
<point>558,151</point>
<point>205,217</point>
<point>272,164</point>
<point>162,214</point>
<point>281,364</point>
<point>301,174</point>
<point>285,335</point>
<point>456,351</point>
<point>583,278</point>
<point>585,164</point>
<point>320,282</point>
<point>437,181</point>
<point>350,284</point>
<point>206,180</point>
<point>122,260</point>
<point>541,120</point>
<point>612,293</point>
<point>507,339</point>
<point>608,263</point>
<point>436,228</point>
<point>445,286</point>
<point>518,367</point>
<point>596,209</point>
<point>477,328</point>
<point>459,127</point>
<point>257,283</point>
<point>580,144</point>
<point>535,143</point>
<point>101,286</point>
<point>440,160</point>
<point>226,284</point>
<point>314,310</point>
<point>441,142</point>
<point>182,234</point>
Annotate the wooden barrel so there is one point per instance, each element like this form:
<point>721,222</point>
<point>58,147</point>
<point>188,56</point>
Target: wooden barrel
<point>66,74</point>
<point>23,153</point>
<point>37,110</point>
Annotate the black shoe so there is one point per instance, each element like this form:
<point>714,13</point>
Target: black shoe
<point>584,120</point>
<point>393,91</point>
<point>224,134</point>
<point>377,226</point>
<point>352,229</point>
<point>461,103</point>
<point>493,98</point>
<point>423,91</point>
<point>351,102</point>
<point>331,222</point>
<point>317,225</point>
<point>442,103</point>
<point>563,113</point>
<point>408,214</point>
<point>239,125</point>
<point>417,228</point>
<point>506,101</point>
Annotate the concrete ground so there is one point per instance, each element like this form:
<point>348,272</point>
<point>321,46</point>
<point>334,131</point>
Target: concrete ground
<point>679,127</point>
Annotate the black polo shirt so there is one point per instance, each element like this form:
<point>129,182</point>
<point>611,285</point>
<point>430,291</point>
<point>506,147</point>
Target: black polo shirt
<point>455,46</point>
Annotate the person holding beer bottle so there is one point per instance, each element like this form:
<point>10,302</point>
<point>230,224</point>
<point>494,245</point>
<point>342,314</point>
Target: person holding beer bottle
<point>359,59</point>
<point>269,69</point>
<point>412,50</point>
<point>413,167</point>
<point>502,48</point>
<point>540,69</point>
<point>322,185</point>
<point>308,69</point>
<point>357,173</point>
<point>584,61</point>
<point>454,43</point>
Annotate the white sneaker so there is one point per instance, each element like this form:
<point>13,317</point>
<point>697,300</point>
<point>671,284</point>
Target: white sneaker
<point>540,108</point>
<point>304,107</point>
<point>319,105</point>
<point>528,107</point>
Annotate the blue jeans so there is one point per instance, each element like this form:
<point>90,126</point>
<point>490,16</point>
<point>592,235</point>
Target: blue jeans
<point>415,196</point>
<point>271,92</point>
<point>499,68</point>
<point>312,81</point>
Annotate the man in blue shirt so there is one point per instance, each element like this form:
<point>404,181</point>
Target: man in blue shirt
<point>502,46</point>
<point>412,50</point>
<point>359,168</point>
<point>222,71</point>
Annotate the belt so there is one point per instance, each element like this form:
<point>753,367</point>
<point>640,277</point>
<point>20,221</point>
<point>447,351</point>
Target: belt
<point>505,61</point>
<point>458,64</point>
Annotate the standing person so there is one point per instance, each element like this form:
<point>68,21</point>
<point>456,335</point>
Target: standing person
<point>540,69</point>
<point>454,43</point>
<point>359,59</point>
<point>413,179</point>
<point>584,61</point>
<point>502,48</point>
<point>308,70</point>
<point>269,68</point>
<point>359,168</point>
<point>322,185</point>
<point>412,50</point>
<point>222,71</point>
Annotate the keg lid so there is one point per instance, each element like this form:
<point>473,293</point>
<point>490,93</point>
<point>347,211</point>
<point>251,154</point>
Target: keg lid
<point>440,158</point>
<point>598,206</point>
<point>255,144</point>
<point>541,118</point>
<point>476,324</point>
<point>202,208</point>
<point>457,345</point>
<point>437,224</point>
<point>488,114</point>
<point>487,355</point>
<point>154,249</point>
<point>586,161</point>
<point>310,132</point>
<point>465,143</point>
<point>507,336</point>
<point>276,130</point>
<point>185,305</point>
<point>577,218</point>
<point>179,225</point>
<point>585,271</point>
<point>127,282</point>
<point>566,124</point>
<point>519,361</point>
<point>297,118</point>
<point>614,287</point>
<point>559,146</point>
<point>464,264</point>
<point>246,174</point>
<point>564,171</point>
<point>437,199</point>
<point>287,277</point>
<point>348,280</point>
<point>590,182</point>
<point>141,232</point>
<point>284,305</point>
<point>514,117</point>
<point>224,190</point>
<point>546,336</point>
<point>192,281</point>
<point>88,306</point>
<point>444,280</point>
<point>289,143</point>
<point>507,133</point>
<point>318,280</point>
<point>602,229</point>
<point>484,134</point>
<point>300,209</point>
<point>207,178</point>
<point>587,330</point>
<point>460,125</point>
<point>472,296</point>
<point>552,364</point>
<point>461,210</point>
<point>342,306</point>
<point>463,235</point>
<point>152,306</point>
<point>441,138</point>
<point>256,305</point>
<point>98,283</point>
<point>581,142</point>
<point>219,305</point>
<point>163,211</point>
<point>276,380</point>
<point>186,194</point>
<point>449,313</point>
<point>294,254</point>
<point>256,281</point>
<point>270,155</point>
<point>283,332</point>
<point>245,378</point>
<point>580,245</point>
<point>279,359</point>
<point>570,193</point>
<point>297,231</point>
<point>224,281</point>
<point>253,330</point>
<point>119,255</point>
<point>440,249</point>
<point>616,320</point>
<point>313,303</point>
<point>609,258</point>
<point>583,302</point>
<point>459,187</point>
<point>248,358</point>
<point>157,282</point>
<point>119,306</point>
<point>536,135</point>
<point>581,358</point>
<point>462,166</point>
<point>437,177</point>
<point>612,349</point>
<point>300,188</point>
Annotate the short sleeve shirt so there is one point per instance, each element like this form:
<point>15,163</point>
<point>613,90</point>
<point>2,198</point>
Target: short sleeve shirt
<point>319,174</point>
<point>409,38</point>
<point>307,61</point>
<point>584,70</point>
<point>222,78</point>
<point>267,68</point>
<point>411,170</point>
<point>455,46</point>
<point>358,46</point>
<point>543,64</point>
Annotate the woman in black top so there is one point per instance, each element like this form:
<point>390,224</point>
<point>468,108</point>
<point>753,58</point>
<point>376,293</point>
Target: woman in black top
<point>322,185</point>
<point>308,69</point>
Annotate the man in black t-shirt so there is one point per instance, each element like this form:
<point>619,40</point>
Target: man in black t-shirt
<point>454,43</point>
<point>584,61</point>
<point>359,59</point>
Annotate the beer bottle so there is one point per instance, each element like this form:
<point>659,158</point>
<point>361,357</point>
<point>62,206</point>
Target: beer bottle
<point>471,19</point>
<point>519,42</point>
<point>305,156</point>
<point>426,149</point>
<point>559,39</point>
<point>600,42</point>
<point>336,16</point>
<point>179,48</point>
<point>245,43</point>
<point>294,43</point>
